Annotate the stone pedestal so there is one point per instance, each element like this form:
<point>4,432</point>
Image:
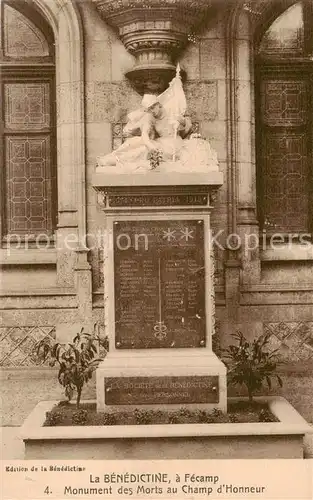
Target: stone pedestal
<point>159,292</point>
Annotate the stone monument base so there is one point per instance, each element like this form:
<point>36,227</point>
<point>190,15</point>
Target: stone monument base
<point>159,291</point>
<point>157,379</point>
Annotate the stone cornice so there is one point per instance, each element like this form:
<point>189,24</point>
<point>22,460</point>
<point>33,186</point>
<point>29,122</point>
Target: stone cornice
<point>121,11</point>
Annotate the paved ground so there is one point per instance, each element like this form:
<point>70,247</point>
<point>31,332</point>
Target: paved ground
<point>19,395</point>
<point>12,445</point>
<point>22,390</point>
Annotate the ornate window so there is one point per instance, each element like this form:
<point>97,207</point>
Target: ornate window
<point>284,98</point>
<point>28,173</point>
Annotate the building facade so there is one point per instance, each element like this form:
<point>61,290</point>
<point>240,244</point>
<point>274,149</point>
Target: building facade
<point>67,86</point>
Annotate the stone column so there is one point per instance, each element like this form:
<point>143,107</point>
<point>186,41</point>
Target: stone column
<point>83,285</point>
<point>71,142</point>
<point>247,228</point>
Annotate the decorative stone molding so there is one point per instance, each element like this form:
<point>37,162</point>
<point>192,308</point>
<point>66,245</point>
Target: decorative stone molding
<point>293,339</point>
<point>154,32</point>
<point>17,344</point>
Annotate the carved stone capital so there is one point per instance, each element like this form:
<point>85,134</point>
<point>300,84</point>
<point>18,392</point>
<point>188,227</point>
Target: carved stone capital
<point>213,196</point>
<point>154,31</point>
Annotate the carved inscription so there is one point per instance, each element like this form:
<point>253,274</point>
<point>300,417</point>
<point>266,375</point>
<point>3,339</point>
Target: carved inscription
<point>159,284</point>
<point>161,390</point>
<point>158,200</point>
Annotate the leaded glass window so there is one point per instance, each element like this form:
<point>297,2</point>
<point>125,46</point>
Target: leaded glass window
<point>284,121</point>
<point>285,36</point>
<point>21,37</point>
<point>28,174</point>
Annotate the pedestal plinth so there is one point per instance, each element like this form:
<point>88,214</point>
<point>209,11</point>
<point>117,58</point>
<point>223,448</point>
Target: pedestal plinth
<point>159,292</point>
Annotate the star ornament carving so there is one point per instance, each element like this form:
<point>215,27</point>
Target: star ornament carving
<point>184,234</point>
<point>169,235</point>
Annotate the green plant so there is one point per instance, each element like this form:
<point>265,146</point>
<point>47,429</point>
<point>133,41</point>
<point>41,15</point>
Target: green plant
<point>143,417</point>
<point>265,416</point>
<point>202,416</point>
<point>250,363</point>
<point>79,417</point>
<point>217,413</point>
<point>233,419</point>
<point>77,360</point>
<point>109,419</point>
<point>173,418</point>
<point>184,412</point>
<point>53,418</point>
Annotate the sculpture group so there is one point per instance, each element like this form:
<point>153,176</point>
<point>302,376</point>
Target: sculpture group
<point>159,135</point>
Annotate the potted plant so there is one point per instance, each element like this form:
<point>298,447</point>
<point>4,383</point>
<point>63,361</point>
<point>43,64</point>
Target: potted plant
<point>251,363</point>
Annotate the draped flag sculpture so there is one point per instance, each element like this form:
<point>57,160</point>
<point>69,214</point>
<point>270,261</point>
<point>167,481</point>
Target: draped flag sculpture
<point>174,102</point>
<point>159,134</point>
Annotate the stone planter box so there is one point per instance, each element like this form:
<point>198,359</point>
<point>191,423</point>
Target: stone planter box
<point>283,439</point>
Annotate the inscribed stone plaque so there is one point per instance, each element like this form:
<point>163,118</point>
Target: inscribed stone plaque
<point>161,390</point>
<point>158,200</point>
<point>159,284</point>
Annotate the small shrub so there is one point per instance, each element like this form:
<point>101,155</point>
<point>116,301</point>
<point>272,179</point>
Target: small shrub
<point>142,417</point>
<point>87,415</point>
<point>233,418</point>
<point>79,417</point>
<point>173,418</point>
<point>109,419</point>
<point>250,363</point>
<point>202,416</point>
<point>158,414</point>
<point>53,418</point>
<point>265,416</point>
<point>217,413</point>
<point>184,412</point>
<point>77,360</point>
